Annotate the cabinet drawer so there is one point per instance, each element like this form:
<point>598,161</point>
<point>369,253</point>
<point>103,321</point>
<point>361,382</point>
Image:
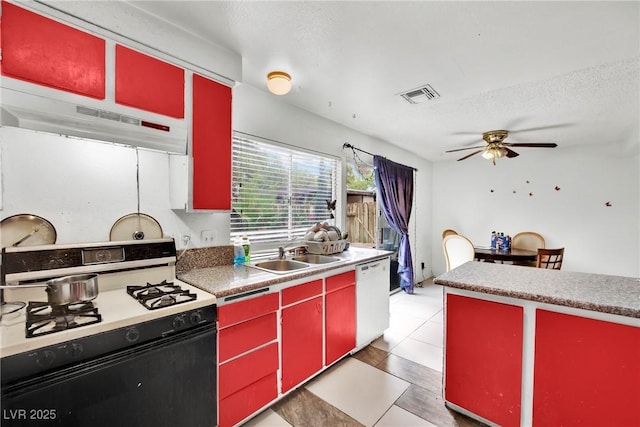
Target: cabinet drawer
<point>243,371</point>
<point>301,292</point>
<point>244,336</point>
<point>244,310</point>
<point>240,405</point>
<point>341,280</point>
<point>149,84</point>
<point>43,51</point>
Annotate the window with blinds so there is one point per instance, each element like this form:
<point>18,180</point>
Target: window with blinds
<point>278,191</point>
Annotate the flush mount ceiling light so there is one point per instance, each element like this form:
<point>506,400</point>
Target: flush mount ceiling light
<point>279,82</point>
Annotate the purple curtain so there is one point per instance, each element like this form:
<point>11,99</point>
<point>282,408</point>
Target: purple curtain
<point>394,183</point>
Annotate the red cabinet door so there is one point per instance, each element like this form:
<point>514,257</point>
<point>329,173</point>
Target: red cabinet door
<point>587,372</point>
<point>237,339</point>
<point>243,371</point>
<point>149,84</point>
<point>301,342</point>
<point>43,51</point>
<point>240,405</point>
<point>240,311</point>
<point>211,145</point>
<point>483,358</point>
<point>340,327</point>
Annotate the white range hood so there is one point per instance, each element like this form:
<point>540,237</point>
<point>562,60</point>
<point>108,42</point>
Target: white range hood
<point>87,119</point>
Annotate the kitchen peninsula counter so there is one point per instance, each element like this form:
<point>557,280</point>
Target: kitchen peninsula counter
<point>226,280</point>
<point>533,347</point>
<point>607,294</point>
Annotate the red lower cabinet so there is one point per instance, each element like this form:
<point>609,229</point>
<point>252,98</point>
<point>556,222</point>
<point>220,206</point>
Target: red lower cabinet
<point>483,360</point>
<point>301,325</point>
<point>248,358</point>
<point>587,372</point>
<point>340,317</point>
<point>240,405</point>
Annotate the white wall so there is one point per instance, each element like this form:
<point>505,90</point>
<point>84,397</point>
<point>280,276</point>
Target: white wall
<point>258,113</point>
<point>597,238</point>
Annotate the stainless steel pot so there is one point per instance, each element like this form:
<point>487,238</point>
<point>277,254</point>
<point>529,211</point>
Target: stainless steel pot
<point>72,289</point>
<point>67,289</point>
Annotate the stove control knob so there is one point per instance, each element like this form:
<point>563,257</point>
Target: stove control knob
<point>178,322</point>
<point>74,350</point>
<point>195,317</point>
<point>132,335</point>
<point>46,359</point>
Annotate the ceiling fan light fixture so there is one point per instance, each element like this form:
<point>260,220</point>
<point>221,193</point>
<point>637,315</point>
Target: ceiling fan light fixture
<point>493,153</point>
<point>279,82</point>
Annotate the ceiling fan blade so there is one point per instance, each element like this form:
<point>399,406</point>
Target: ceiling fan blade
<point>461,149</point>
<point>511,153</point>
<point>469,155</point>
<point>559,125</point>
<point>532,144</point>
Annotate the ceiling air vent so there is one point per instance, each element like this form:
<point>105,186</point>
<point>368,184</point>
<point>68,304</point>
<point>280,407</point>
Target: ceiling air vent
<point>420,94</point>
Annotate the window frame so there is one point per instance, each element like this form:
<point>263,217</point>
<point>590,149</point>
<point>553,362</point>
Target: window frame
<point>290,233</point>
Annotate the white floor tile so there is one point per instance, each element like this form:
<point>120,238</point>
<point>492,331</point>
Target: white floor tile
<point>419,307</point>
<point>401,325</point>
<point>397,417</point>
<point>359,390</point>
<point>430,333</point>
<point>420,352</point>
<point>267,418</point>
<point>438,317</point>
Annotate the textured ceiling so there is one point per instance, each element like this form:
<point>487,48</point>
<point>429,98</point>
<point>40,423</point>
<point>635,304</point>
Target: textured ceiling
<point>564,72</point>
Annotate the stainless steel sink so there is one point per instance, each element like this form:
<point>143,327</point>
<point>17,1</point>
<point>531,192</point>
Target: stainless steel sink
<point>316,259</point>
<point>280,265</point>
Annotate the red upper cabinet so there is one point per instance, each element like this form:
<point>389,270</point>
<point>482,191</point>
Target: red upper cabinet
<point>43,51</point>
<point>211,145</point>
<point>148,83</point>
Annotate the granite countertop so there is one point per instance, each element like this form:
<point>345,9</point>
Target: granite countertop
<point>225,280</point>
<point>596,292</point>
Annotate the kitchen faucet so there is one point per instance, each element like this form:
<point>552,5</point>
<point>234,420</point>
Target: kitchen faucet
<point>296,249</point>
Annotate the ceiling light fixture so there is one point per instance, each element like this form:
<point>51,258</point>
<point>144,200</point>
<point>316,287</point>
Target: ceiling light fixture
<point>279,82</point>
<point>493,153</point>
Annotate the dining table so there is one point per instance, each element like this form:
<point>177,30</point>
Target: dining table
<point>489,254</point>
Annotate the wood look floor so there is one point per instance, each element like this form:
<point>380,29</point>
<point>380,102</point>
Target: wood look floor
<point>413,391</point>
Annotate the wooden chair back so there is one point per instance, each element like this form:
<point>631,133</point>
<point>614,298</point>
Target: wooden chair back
<point>550,258</point>
<point>457,250</point>
<point>448,231</point>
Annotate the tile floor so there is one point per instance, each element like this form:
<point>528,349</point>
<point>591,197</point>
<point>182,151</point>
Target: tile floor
<point>395,381</point>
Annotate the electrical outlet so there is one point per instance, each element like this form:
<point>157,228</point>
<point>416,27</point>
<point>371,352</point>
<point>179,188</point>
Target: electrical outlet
<point>208,236</point>
<point>185,239</point>
<point>422,265</point>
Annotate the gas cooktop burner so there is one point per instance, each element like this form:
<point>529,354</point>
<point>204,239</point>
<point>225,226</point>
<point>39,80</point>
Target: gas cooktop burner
<point>159,295</point>
<point>44,318</point>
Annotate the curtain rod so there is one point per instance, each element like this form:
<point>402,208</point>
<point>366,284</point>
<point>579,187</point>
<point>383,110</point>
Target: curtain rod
<point>347,145</point>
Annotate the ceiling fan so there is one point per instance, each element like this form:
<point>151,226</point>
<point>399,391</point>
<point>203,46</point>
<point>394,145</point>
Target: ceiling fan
<point>496,147</point>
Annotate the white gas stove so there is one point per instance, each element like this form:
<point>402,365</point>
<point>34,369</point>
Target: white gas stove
<point>140,307</point>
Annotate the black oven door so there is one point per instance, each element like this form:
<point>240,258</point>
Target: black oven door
<point>170,382</point>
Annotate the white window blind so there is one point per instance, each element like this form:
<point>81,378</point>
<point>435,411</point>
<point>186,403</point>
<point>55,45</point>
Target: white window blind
<point>278,191</point>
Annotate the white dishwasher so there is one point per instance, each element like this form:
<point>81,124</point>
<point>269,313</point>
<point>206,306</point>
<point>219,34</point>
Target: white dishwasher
<point>372,301</point>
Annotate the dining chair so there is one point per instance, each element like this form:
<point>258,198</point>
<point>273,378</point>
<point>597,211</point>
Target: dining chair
<point>527,240</point>
<point>448,231</point>
<point>550,258</point>
<point>457,250</point>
